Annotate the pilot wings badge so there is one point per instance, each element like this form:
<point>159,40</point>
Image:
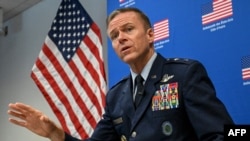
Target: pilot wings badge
<point>166,77</point>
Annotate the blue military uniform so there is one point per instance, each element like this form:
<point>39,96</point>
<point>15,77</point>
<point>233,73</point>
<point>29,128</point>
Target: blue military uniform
<point>179,104</point>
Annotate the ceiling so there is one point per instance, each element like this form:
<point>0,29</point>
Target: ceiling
<point>12,8</point>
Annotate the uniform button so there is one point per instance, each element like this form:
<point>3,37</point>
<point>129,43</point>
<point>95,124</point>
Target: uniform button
<point>133,134</point>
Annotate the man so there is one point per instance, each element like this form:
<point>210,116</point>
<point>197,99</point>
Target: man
<point>178,100</point>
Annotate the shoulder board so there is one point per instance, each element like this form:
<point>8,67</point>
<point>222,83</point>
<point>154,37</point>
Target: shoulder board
<point>119,82</point>
<point>180,60</point>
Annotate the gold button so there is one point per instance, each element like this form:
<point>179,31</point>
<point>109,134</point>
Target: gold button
<point>123,138</point>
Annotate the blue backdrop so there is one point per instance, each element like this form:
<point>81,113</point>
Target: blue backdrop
<point>217,33</point>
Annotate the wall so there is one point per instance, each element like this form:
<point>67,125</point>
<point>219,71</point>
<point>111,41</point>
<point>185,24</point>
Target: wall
<point>18,52</point>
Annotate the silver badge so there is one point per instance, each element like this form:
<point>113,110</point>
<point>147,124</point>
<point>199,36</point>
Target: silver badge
<point>118,121</point>
<point>165,77</point>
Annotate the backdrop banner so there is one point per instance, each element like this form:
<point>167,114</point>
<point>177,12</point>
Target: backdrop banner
<point>215,32</point>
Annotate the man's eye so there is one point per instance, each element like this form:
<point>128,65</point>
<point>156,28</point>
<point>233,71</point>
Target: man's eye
<point>113,36</point>
<point>128,29</point>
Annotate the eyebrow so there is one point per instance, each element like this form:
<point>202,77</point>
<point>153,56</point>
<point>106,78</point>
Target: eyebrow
<point>121,27</point>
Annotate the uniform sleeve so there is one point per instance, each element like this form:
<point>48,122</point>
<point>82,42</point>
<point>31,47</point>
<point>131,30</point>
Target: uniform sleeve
<point>70,138</point>
<point>206,112</point>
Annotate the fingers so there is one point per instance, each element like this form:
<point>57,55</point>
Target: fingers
<point>20,107</point>
<point>24,112</point>
<point>16,114</point>
<point>25,107</point>
<point>17,122</point>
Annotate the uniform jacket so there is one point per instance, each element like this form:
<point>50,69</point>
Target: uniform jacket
<point>179,104</point>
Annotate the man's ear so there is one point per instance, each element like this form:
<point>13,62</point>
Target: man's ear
<point>150,33</point>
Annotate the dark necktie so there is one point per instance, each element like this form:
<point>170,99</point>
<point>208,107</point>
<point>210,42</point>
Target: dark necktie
<point>140,89</point>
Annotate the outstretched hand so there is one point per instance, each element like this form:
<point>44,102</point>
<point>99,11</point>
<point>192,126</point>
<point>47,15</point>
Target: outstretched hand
<point>35,121</point>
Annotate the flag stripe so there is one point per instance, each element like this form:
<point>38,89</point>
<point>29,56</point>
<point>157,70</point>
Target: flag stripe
<point>61,96</point>
<point>161,30</point>
<point>246,73</point>
<point>221,9</point>
<point>58,114</point>
<point>245,62</point>
<point>55,94</point>
<point>83,76</point>
<point>56,97</point>
<point>91,96</point>
<point>56,85</point>
<point>79,101</point>
<point>84,82</point>
<point>94,47</point>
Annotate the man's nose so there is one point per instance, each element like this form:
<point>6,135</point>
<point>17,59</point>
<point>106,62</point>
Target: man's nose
<point>122,37</point>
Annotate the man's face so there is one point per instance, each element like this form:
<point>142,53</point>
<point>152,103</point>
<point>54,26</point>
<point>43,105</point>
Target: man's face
<point>130,40</point>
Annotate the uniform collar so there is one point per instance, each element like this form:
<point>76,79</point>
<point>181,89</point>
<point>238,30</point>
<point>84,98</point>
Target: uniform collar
<point>145,70</point>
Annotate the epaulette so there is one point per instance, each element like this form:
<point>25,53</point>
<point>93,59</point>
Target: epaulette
<point>119,82</point>
<point>180,60</point>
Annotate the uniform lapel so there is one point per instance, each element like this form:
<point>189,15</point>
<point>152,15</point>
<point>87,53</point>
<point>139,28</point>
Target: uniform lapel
<point>127,99</point>
<point>153,77</point>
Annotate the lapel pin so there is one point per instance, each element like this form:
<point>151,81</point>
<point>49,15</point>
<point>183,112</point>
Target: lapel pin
<point>153,76</point>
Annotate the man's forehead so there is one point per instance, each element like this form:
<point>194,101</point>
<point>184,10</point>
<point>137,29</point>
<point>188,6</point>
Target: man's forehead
<point>122,19</point>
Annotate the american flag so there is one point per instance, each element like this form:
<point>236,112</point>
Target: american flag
<point>69,70</point>
<point>217,10</point>
<point>161,30</point>
<point>245,62</point>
